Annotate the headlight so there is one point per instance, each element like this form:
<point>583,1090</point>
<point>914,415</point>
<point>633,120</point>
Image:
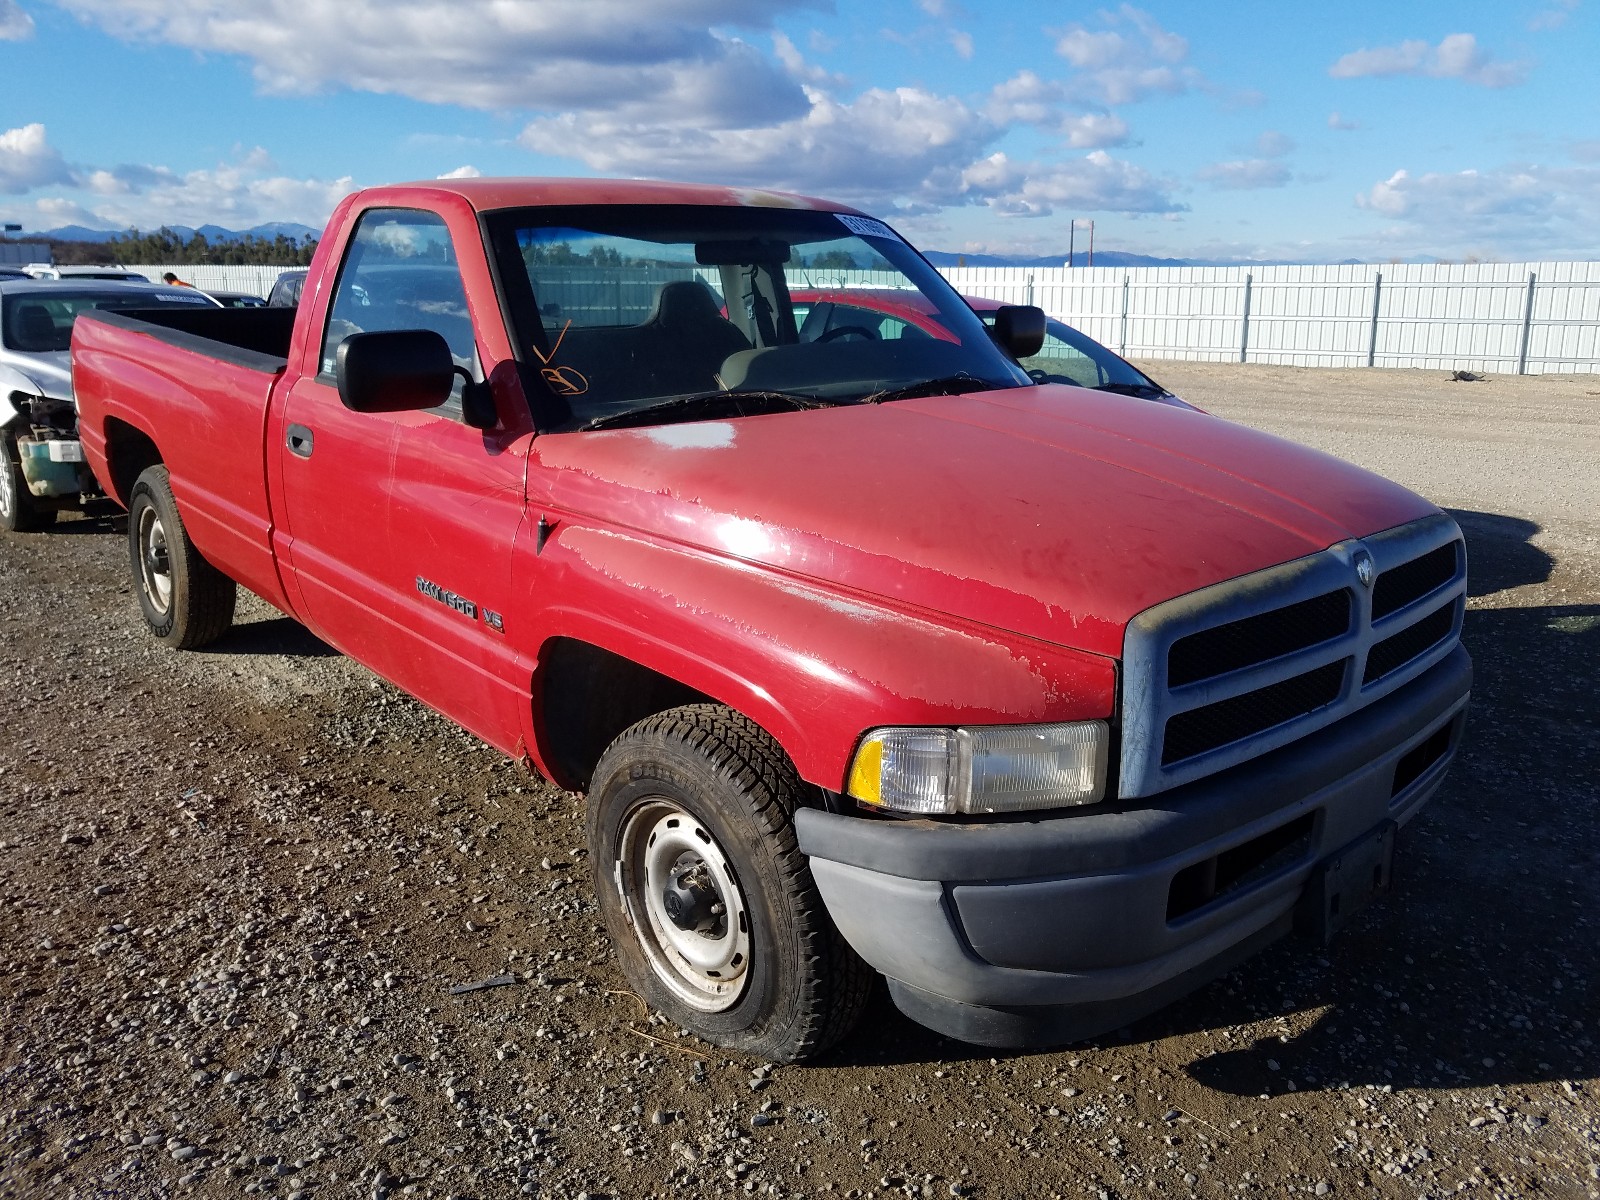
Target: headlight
<point>985,769</point>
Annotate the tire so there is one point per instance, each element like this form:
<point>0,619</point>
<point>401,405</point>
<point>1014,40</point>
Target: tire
<point>693,809</point>
<point>19,511</point>
<point>185,600</point>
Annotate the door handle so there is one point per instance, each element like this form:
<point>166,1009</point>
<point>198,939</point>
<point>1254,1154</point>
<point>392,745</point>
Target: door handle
<point>300,440</point>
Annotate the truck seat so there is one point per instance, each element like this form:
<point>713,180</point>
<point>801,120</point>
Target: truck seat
<point>689,337</point>
<point>35,329</point>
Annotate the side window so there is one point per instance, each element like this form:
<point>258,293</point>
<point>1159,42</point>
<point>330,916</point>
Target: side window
<point>400,272</point>
<point>1056,358</point>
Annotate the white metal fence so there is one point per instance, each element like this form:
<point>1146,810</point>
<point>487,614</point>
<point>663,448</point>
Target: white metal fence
<point>1522,318</point>
<point>1504,318</point>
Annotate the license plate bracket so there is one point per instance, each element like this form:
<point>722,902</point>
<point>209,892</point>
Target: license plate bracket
<point>1345,882</point>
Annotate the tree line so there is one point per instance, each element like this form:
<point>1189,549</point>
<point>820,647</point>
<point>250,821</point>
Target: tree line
<point>167,246</point>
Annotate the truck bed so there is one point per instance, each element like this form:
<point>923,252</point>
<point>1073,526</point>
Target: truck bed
<point>245,336</point>
<point>186,376</point>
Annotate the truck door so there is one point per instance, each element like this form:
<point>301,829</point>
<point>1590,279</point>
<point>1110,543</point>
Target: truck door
<point>399,526</point>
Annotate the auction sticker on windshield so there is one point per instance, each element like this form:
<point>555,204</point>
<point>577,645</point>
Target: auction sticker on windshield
<point>866,226</point>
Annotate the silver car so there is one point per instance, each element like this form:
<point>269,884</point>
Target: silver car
<point>41,460</point>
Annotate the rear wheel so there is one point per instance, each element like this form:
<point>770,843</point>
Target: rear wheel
<point>20,512</point>
<point>185,600</point>
<point>709,902</point>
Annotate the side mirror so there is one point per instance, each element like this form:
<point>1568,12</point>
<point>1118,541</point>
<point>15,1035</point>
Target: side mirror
<point>1019,328</point>
<point>400,370</point>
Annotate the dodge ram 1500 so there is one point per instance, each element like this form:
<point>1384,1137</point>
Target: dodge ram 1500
<point>870,654</point>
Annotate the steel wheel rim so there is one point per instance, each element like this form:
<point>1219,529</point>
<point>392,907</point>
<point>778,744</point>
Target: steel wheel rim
<point>707,970</point>
<point>155,567</point>
<point>8,483</point>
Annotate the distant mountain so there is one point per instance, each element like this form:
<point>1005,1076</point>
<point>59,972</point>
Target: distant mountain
<point>213,233</point>
<point>75,233</point>
<point>1102,258</point>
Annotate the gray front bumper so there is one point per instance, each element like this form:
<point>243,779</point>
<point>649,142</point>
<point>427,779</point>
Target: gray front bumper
<point>1029,930</point>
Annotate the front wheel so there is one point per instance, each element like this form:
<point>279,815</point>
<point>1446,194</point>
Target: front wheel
<point>706,896</point>
<point>185,600</point>
<point>19,511</point>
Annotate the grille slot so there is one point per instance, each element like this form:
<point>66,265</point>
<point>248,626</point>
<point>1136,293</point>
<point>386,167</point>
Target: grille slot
<point>1258,639</point>
<point>1211,879</point>
<point>1397,650</point>
<point>1419,758</point>
<point>1215,725</point>
<point>1399,586</point>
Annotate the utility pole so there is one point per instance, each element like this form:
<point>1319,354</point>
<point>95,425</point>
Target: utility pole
<point>1091,242</point>
<point>1072,236</point>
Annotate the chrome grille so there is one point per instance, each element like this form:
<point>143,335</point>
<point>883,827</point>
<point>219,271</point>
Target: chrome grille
<point>1222,675</point>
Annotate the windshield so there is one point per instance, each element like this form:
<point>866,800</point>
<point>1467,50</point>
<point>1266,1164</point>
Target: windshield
<point>635,313</point>
<point>41,322</point>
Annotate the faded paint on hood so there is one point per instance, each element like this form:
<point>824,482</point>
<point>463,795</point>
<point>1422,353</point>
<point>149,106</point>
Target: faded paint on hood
<point>1052,512</point>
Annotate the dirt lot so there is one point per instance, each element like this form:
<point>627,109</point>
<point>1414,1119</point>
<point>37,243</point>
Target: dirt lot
<point>239,885</point>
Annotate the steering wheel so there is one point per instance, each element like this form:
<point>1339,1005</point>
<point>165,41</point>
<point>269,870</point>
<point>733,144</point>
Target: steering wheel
<point>860,331</point>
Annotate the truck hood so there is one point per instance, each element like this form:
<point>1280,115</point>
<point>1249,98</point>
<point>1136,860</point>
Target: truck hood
<point>49,373</point>
<point>1052,512</point>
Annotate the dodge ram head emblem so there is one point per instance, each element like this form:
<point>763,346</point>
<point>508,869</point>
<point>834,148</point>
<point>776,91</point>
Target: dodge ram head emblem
<point>1364,568</point>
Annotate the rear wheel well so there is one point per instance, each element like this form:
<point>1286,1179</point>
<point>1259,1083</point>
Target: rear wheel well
<point>129,452</point>
<point>589,696</point>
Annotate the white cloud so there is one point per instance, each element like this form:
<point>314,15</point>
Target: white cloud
<point>663,90</point>
<point>794,62</point>
<point>1337,120</point>
<point>28,160</point>
<point>54,211</point>
<point>961,43</point>
<point>907,150</point>
<point>1027,99</point>
<point>1273,144</point>
<point>490,54</point>
<point>1458,56</point>
<point>1130,58</point>
<point>1534,210</point>
<point>236,194</point>
<point>1245,174</point>
<point>1090,131</point>
<point>1096,182</point>
<point>1555,16</point>
<point>15,25</point>
<point>884,145</point>
<point>466,172</point>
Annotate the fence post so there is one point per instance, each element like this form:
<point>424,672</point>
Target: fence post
<point>1527,328</point>
<point>1123,336</point>
<point>1244,321</point>
<point>1030,290</point>
<point>1372,340</point>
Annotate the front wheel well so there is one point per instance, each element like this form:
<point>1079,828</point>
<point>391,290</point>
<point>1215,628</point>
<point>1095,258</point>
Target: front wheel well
<point>588,696</point>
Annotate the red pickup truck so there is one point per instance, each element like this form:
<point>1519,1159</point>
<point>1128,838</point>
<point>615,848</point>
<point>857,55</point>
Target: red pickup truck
<point>871,654</point>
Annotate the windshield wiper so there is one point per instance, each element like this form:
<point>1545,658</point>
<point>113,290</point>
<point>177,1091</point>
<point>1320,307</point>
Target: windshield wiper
<point>1142,390</point>
<point>706,404</point>
<point>945,385</point>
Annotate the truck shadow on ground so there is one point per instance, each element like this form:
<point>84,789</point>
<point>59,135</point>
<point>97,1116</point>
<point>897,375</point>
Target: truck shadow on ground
<point>275,635</point>
<point>1479,968</point>
<point>90,523</point>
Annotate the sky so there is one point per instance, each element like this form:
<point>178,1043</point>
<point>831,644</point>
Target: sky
<point>1251,130</point>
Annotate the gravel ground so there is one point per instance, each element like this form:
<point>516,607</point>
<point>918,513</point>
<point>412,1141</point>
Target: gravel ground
<point>240,885</point>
